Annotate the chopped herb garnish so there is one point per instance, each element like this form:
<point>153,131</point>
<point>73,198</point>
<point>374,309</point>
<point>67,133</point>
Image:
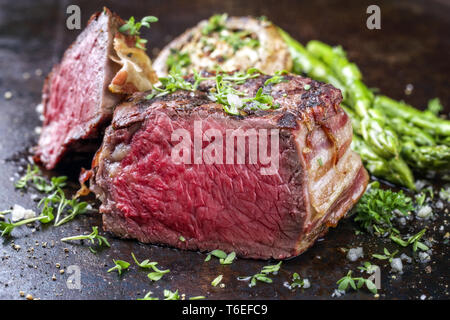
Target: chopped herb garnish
<point>146,264</point>
<point>177,61</point>
<point>215,23</point>
<point>169,295</point>
<point>355,283</point>
<point>30,174</point>
<point>197,298</point>
<point>34,175</point>
<point>120,266</point>
<point>414,240</point>
<point>386,256</point>
<point>239,39</point>
<point>277,78</point>
<point>229,258</point>
<point>90,237</point>
<point>368,267</point>
<point>307,87</point>
<point>157,273</point>
<point>320,162</point>
<point>420,199</point>
<point>297,281</point>
<point>56,200</point>
<point>217,280</point>
<point>375,210</point>
<point>133,29</point>
<point>7,227</point>
<point>182,239</point>
<point>148,297</point>
<point>223,92</point>
<point>263,274</point>
<point>218,254</point>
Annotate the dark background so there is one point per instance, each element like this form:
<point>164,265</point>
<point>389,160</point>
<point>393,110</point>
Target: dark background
<point>412,47</point>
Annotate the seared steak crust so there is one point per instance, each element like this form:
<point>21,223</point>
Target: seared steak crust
<point>233,207</point>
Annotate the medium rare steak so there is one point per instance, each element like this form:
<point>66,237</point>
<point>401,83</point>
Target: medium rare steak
<point>76,99</point>
<point>229,201</point>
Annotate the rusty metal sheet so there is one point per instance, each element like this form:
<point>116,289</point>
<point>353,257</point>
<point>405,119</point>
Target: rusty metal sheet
<point>411,48</point>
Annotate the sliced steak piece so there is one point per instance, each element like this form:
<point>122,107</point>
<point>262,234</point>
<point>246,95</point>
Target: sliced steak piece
<point>77,102</point>
<point>150,195</point>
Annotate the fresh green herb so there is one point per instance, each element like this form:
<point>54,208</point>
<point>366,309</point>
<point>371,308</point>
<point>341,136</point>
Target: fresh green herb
<point>90,237</point>
<point>234,100</point>
<point>217,280</point>
<point>182,239</point>
<point>229,258</point>
<point>157,273</point>
<point>215,23</point>
<point>398,240</point>
<point>271,268</point>
<point>386,256</point>
<point>92,250</point>
<point>177,61</point>
<point>368,267</point>
<point>146,264</point>
<point>56,200</point>
<point>307,87</point>
<point>120,266</point>
<point>297,281</point>
<point>376,208</point>
<point>239,39</point>
<point>435,106</point>
<point>355,283</point>
<point>7,227</point>
<point>414,240</point>
<point>223,92</point>
<point>262,276</point>
<point>208,257</point>
<point>277,78</point>
<point>148,297</point>
<point>133,29</point>
<point>320,162</point>
<point>34,175</point>
<point>420,199</point>
<point>29,175</point>
<point>76,208</point>
<point>173,82</point>
<point>197,298</point>
<point>169,295</point>
<point>218,254</point>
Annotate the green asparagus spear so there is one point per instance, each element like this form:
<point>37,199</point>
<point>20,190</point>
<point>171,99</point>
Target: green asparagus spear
<point>426,120</point>
<point>394,170</point>
<point>356,121</point>
<point>335,58</point>
<point>304,62</point>
<point>427,157</point>
<point>379,135</point>
<point>403,129</point>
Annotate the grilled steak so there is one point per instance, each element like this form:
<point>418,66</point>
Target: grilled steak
<point>233,43</point>
<point>203,203</point>
<point>76,99</point>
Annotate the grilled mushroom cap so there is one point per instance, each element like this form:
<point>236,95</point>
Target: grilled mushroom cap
<point>239,43</point>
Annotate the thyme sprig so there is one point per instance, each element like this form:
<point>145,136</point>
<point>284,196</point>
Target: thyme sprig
<point>263,275</point>
<point>90,237</point>
<point>133,29</point>
<point>355,283</point>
